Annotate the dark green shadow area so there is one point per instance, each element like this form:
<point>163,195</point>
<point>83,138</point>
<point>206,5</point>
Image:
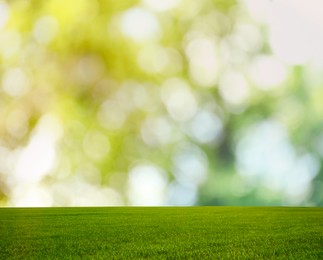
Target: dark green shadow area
<point>161,233</point>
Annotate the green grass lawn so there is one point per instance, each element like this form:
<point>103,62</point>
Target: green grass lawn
<point>163,233</point>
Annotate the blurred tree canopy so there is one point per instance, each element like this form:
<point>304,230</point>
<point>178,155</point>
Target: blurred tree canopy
<point>157,103</point>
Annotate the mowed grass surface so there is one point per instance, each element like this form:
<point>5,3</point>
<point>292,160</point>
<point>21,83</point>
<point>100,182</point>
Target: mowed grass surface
<point>161,233</point>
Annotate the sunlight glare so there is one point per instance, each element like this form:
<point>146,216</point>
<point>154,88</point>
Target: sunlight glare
<point>203,61</point>
<point>147,186</point>
<point>140,24</point>
<point>15,82</point>
<point>179,99</point>
<point>38,157</point>
<point>45,29</point>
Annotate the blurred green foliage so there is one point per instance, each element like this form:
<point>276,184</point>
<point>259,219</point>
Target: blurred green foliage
<point>179,103</point>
